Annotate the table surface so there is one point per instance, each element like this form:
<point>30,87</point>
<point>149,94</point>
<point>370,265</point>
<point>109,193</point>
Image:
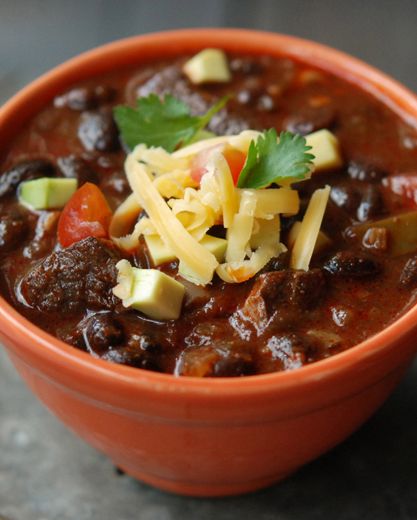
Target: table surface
<point>46,473</point>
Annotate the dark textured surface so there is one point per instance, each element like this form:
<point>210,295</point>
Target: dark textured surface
<point>45,472</point>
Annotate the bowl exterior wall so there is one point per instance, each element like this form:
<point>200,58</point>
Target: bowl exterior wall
<point>194,456</point>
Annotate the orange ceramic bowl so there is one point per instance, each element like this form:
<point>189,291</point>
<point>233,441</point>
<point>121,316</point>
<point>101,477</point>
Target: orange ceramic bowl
<point>207,436</point>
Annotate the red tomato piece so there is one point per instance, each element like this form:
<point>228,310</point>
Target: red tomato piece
<point>405,185</point>
<point>235,159</point>
<point>86,214</point>
<point>199,162</point>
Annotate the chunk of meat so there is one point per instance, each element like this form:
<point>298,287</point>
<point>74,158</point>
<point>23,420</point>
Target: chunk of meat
<point>352,264</point>
<point>75,167</point>
<point>13,229</point>
<point>85,98</point>
<point>73,279</point>
<point>24,171</point>
<point>361,200</point>
<point>98,131</point>
<point>278,263</point>
<point>280,297</point>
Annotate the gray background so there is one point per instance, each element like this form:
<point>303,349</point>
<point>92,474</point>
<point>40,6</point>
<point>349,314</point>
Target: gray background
<point>45,472</point>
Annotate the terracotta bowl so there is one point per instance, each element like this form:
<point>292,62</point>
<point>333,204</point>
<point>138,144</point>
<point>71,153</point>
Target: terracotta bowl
<point>207,437</point>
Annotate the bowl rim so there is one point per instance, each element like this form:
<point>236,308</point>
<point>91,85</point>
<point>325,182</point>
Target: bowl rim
<point>16,328</point>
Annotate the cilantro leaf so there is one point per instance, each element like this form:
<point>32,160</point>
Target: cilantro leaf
<point>269,161</point>
<point>155,122</point>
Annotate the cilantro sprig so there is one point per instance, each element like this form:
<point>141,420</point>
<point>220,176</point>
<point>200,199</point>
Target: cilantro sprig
<point>269,161</point>
<point>166,123</point>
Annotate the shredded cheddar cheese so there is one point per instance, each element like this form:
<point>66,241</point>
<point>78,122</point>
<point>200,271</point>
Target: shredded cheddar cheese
<point>309,230</point>
<point>170,229</point>
<point>180,213</point>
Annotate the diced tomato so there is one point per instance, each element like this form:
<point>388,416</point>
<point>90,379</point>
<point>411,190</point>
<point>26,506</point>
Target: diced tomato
<point>235,159</point>
<point>199,162</point>
<point>86,214</point>
<point>405,185</point>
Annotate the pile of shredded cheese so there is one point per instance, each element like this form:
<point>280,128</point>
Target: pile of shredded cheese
<point>180,213</point>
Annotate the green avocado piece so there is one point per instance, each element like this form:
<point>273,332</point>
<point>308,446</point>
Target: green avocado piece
<point>401,230</point>
<point>216,246</point>
<point>156,294</point>
<point>46,193</point>
<point>159,252</point>
<point>208,66</point>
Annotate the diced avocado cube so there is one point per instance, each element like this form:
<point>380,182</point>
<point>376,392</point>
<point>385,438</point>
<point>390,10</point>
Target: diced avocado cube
<point>34,194</point>
<point>46,193</point>
<point>215,245</point>
<point>156,294</point>
<point>208,66</point>
<point>159,252</point>
<point>325,148</point>
<point>60,191</point>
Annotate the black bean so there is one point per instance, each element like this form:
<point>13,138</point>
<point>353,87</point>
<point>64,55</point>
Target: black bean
<point>246,66</point>
<point>265,103</point>
<point>361,200</point>
<point>372,203</point>
<point>363,172</point>
<point>98,131</point>
<point>245,96</point>
<point>132,356</point>
<point>408,277</point>
<point>224,123</point>
<point>77,168</point>
<point>102,332</point>
<point>143,342</point>
<point>351,264</point>
<point>346,196</point>
<point>24,171</point>
<point>85,98</point>
<point>215,360</point>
